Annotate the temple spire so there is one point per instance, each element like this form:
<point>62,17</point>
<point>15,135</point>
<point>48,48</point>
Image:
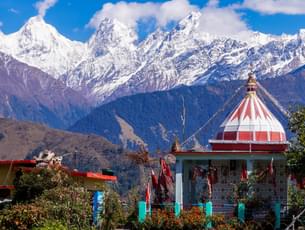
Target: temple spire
<point>176,147</point>
<point>251,82</point>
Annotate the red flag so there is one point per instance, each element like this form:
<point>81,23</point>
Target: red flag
<point>302,184</point>
<point>154,179</point>
<point>213,175</point>
<point>244,175</point>
<point>147,196</point>
<point>165,168</point>
<point>270,167</point>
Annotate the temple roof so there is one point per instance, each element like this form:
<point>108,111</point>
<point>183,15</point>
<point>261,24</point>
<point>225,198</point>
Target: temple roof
<point>251,122</point>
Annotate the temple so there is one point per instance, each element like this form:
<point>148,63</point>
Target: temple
<point>249,141</point>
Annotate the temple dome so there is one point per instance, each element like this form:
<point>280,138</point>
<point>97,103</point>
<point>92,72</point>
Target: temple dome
<point>251,122</point>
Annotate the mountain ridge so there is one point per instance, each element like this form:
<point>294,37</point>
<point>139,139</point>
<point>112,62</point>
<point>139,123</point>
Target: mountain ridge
<point>155,119</point>
<point>27,93</point>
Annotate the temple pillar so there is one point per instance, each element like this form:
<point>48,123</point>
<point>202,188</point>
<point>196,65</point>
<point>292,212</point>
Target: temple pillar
<point>179,183</point>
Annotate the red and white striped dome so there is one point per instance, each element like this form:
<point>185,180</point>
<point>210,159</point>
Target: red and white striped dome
<point>251,121</point>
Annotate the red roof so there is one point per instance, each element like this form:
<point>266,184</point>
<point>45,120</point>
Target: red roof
<point>92,175</point>
<point>32,163</point>
<point>195,153</point>
<point>89,175</point>
<point>18,162</point>
<point>10,187</point>
<point>251,122</point>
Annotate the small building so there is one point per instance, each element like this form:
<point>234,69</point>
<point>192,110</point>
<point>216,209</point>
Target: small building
<point>8,169</point>
<point>250,139</point>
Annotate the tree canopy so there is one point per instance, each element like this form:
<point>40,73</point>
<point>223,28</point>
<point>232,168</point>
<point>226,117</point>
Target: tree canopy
<point>296,154</point>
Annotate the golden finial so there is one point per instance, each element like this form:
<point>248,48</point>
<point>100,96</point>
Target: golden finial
<point>251,82</point>
<point>176,147</point>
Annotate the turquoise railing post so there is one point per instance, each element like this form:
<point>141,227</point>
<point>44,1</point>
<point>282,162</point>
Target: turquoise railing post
<point>142,211</point>
<point>277,211</point>
<point>201,206</point>
<point>241,212</point>
<point>209,213</point>
<point>177,209</point>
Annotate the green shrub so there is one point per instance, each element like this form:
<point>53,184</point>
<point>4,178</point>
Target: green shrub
<point>45,198</point>
<point>22,216</point>
<point>28,186</point>
<point>71,205</point>
<point>51,225</point>
<point>112,215</point>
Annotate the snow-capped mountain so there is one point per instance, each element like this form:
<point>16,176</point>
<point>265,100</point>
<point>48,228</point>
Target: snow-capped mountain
<point>113,57</point>
<point>41,45</point>
<point>183,56</point>
<point>112,64</point>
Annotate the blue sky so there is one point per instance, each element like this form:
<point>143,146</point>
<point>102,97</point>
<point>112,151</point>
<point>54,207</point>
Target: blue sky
<point>70,17</point>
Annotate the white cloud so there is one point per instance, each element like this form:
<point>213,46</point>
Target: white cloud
<point>130,13</point>
<point>43,6</point>
<point>221,21</point>
<point>214,20</point>
<point>291,7</point>
<point>213,3</point>
<point>174,10</point>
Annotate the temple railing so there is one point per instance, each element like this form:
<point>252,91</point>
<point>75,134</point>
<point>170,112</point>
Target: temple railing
<point>279,215</point>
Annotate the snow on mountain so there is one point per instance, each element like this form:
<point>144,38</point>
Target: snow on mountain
<point>41,45</point>
<point>186,56</point>
<point>111,64</point>
<point>113,58</point>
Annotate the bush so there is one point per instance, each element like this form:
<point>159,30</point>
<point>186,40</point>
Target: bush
<point>165,219</point>
<point>45,198</point>
<point>28,186</point>
<point>71,205</point>
<point>51,225</point>
<point>112,215</point>
<point>196,219</point>
<point>22,216</point>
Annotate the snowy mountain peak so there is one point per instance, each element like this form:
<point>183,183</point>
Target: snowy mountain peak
<point>111,64</point>
<point>301,34</point>
<point>36,33</point>
<point>37,30</point>
<point>190,23</point>
<point>40,44</point>
<point>36,20</point>
<point>110,35</point>
<point>257,38</point>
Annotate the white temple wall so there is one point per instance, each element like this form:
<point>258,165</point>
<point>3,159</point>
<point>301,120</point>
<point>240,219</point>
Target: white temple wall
<point>228,175</point>
<point>265,188</point>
